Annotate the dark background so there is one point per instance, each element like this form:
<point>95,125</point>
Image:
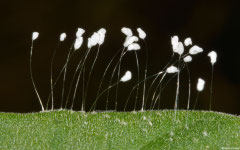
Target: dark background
<point>213,25</point>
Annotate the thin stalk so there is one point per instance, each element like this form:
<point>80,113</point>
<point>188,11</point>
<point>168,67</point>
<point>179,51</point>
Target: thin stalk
<point>196,101</point>
<point>138,85</point>
<point>118,77</point>
<point>165,85</point>
<point>65,72</point>
<point>159,96</point>
<point>211,89</point>
<point>57,79</point>
<point>118,63</point>
<point>189,92</point>
<point>74,75</point>
<point>161,90</point>
<point>176,101</point>
<point>79,75</point>
<point>103,93</point>
<point>31,74</point>
<point>83,101</point>
<point>51,74</point>
<point>90,73</point>
<point>158,76</point>
<point>138,78</point>
<point>105,71</point>
<point>148,93</point>
<point>177,91</point>
<point>145,74</point>
<point>178,84</point>
<point>160,82</point>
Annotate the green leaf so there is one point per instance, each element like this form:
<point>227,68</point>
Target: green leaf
<point>119,130</point>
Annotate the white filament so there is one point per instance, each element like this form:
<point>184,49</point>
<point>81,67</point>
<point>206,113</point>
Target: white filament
<point>80,32</point>
<point>134,46</point>
<point>141,33</point>
<point>200,84</point>
<point>172,69</point>
<point>63,37</point>
<point>35,35</point>
<point>195,50</point>
<point>127,31</point>
<point>187,59</point>
<point>213,57</point>
<point>127,76</point>
<point>78,43</point>
<point>129,40</point>
<point>188,41</point>
<point>178,48</point>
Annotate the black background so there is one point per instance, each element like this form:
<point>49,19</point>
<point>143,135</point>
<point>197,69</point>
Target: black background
<point>213,25</point>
